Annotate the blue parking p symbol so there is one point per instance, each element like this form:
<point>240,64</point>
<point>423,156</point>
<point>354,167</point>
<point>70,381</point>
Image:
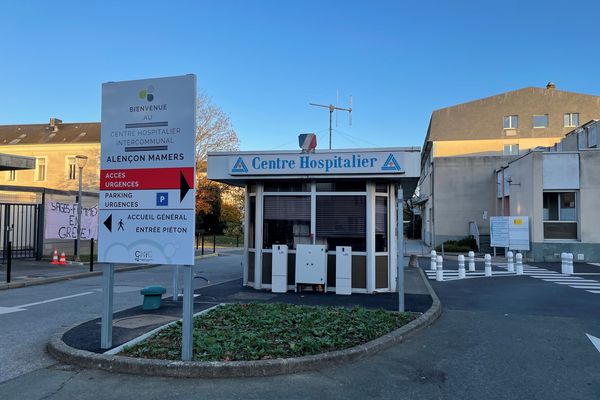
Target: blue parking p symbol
<point>162,199</point>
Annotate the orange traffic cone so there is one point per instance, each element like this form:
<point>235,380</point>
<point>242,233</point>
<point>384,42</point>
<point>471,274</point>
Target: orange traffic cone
<point>63,260</point>
<point>54,257</point>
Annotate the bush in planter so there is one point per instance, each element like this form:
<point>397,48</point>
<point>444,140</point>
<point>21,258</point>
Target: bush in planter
<point>459,246</point>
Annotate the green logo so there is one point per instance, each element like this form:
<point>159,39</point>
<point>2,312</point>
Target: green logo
<point>146,94</point>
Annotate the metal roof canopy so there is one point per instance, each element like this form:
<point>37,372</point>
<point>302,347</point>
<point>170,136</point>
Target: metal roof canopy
<point>9,162</point>
<point>222,164</point>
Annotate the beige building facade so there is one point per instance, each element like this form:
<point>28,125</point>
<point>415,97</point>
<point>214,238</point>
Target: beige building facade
<point>465,144</point>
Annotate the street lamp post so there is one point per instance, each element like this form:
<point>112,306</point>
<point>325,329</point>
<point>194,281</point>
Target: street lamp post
<point>80,161</point>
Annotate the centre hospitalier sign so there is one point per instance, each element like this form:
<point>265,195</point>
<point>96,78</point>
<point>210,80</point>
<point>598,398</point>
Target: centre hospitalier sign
<point>147,176</point>
<point>382,162</point>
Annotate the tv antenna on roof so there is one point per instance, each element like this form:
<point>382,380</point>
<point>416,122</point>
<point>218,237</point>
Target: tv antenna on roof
<point>335,108</point>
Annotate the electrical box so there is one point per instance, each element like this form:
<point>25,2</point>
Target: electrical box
<point>279,268</point>
<point>343,270</point>
<point>311,265</point>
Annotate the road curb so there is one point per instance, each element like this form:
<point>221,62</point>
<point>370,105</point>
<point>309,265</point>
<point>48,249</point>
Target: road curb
<point>231,369</point>
<point>79,275</point>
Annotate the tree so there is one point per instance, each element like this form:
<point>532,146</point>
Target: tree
<point>214,131</point>
<point>208,206</point>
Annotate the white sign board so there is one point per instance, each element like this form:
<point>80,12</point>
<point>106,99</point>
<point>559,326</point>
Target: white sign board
<point>511,232</point>
<point>518,233</point>
<point>147,177</point>
<point>499,231</point>
<point>61,221</point>
<point>380,162</point>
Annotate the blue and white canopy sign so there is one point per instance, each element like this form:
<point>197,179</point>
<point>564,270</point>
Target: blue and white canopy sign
<point>364,162</point>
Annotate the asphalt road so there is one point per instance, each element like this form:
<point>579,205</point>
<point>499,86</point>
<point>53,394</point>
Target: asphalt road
<point>498,338</point>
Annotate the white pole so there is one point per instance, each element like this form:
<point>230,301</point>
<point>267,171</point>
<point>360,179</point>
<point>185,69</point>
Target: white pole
<point>400,247</point>
<point>570,263</point>
<point>461,267</point>
<point>433,258</point>
<point>488,265</point>
<point>510,261</point>
<point>439,269</point>
<point>188,313</point>
<point>108,280</point>
<point>471,261</point>
<point>176,283</point>
<point>519,264</point>
<point>563,263</point>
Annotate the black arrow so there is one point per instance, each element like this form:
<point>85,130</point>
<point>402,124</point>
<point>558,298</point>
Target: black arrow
<point>108,223</point>
<point>184,186</point>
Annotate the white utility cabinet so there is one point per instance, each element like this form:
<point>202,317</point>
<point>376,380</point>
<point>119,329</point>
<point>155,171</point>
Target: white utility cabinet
<point>311,265</point>
<point>343,270</point>
<point>279,268</point>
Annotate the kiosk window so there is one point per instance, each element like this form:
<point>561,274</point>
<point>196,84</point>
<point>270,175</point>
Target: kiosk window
<point>286,221</point>
<point>341,186</point>
<point>289,186</point>
<point>251,230</point>
<point>381,225</point>
<point>341,221</point>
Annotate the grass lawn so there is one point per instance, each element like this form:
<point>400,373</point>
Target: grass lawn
<point>265,331</point>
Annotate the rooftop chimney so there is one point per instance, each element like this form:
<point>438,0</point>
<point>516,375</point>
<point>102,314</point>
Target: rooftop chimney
<point>54,122</point>
<point>551,85</point>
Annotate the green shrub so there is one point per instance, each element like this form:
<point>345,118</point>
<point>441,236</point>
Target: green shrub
<point>459,246</point>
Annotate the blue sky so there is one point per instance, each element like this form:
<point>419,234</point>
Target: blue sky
<point>262,62</point>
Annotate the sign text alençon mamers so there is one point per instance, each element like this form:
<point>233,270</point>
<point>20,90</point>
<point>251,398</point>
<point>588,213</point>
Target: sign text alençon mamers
<point>147,177</point>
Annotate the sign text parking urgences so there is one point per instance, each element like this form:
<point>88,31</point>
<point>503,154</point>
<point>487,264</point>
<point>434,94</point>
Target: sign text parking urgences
<point>147,197</point>
<point>359,162</point>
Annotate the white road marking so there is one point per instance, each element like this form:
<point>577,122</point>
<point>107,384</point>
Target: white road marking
<point>595,341</point>
<point>594,291</point>
<point>8,310</point>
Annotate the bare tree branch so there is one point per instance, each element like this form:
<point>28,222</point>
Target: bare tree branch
<point>214,129</point>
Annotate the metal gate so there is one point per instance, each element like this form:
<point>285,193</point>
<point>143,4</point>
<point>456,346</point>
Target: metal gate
<point>19,224</point>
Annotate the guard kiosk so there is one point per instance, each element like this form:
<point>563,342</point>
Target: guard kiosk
<point>327,197</point>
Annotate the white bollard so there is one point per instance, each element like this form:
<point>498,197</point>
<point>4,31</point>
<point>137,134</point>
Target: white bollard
<point>433,259</point>
<point>510,265</point>
<point>519,264</point>
<point>488,265</point>
<point>563,263</point>
<point>439,269</point>
<point>570,263</point>
<point>461,267</point>
<point>471,261</point>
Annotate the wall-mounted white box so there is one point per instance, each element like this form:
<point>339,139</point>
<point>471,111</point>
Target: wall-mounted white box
<point>343,270</point>
<point>311,265</point>
<point>279,268</point>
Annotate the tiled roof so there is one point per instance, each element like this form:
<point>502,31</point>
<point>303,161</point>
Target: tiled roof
<point>86,132</point>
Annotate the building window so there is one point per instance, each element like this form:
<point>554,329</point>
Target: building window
<point>286,221</point>
<point>342,221</point>
<point>11,175</point>
<point>540,121</point>
<point>381,224</point>
<point>252,225</point>
<point>592,141</point>
<point>287,186</point>
<point>571,119</point>
<point>511,149</point>
<point>40,169</point>
<point>560,215</point>
<point>71,168</point>
<point>341,186</point>
<point>511,122</point>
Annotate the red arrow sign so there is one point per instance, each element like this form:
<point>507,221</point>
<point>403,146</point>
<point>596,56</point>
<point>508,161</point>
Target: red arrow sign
<point>146,178</point>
